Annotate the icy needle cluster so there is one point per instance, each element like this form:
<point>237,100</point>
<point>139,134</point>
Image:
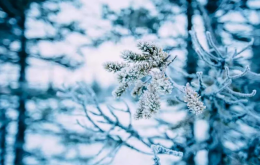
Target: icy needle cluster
<point>193,100</point>
<point>149,103</point>
<point>146,71</point>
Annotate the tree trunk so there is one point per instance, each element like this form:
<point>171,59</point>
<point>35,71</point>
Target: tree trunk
<point>191,63</point>
<point>256,50</point>
<point>20,137</point>
<point>189,159</point>
<point>211,8</point>
<point>216,155</point>
<point>191,67</point>
<point>3,134</point>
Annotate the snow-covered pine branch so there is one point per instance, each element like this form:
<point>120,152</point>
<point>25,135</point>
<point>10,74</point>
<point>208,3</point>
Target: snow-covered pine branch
<point>146,72</point>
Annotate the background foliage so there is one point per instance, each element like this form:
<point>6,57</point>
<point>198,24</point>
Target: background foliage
<point>48,46</point>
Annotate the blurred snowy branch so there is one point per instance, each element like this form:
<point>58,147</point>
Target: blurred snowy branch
<point>158,149</point>
<point>105,126</point>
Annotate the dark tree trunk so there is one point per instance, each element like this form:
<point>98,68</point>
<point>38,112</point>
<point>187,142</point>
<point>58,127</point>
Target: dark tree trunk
<point>191,67</point>
<point>20,137</point>
<point>216,155</point>
<point>255,64</point>
<point>191,63</point>
<point>189,159</point>
<point>211,8</point>
<point>256,50</point>
<point>3,134</point>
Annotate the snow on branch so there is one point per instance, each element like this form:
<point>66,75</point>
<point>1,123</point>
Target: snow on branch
<point>158,149</point>
<point>217,56</point>
<point>146,72</point>
<point>193,100</point>
<point>220,59</point>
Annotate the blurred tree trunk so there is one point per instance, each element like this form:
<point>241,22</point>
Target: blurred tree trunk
<point>3,134</point>
<point>191,67</point>
<point>216,155</point>
<point>15,20</point>
<point>255,65</point>
<point>256,50</point>
<point>211,8</point>
<point>192,58</point>
<point>20,137</point>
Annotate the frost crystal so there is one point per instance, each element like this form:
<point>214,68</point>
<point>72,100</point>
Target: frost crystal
<point>137,91</point>
<point>139,114</point>
<point>162,83</point>
<point>158,58</point>
<point>129,75</point>
<point>133,57</point>
<point>149,103</point>
<point>120,90</point>
<point>193,100</point>
<point>152,103</point>
<point>114,66</point>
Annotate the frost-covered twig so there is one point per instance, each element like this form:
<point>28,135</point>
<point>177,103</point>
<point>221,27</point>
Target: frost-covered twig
<point>158,149</point>
<point>238,94</point>
<point>246,70</point>
<point>221,57</point>
<point>238,54</point>
<point>220,63</point>
<point>96,117</point>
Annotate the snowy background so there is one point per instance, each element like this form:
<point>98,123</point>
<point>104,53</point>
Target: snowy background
<point>50,148</point>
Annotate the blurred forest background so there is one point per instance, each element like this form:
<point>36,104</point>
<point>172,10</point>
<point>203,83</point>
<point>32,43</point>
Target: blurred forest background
<point>50,45</point>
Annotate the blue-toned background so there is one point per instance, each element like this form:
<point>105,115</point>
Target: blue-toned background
<point>50,47</point>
